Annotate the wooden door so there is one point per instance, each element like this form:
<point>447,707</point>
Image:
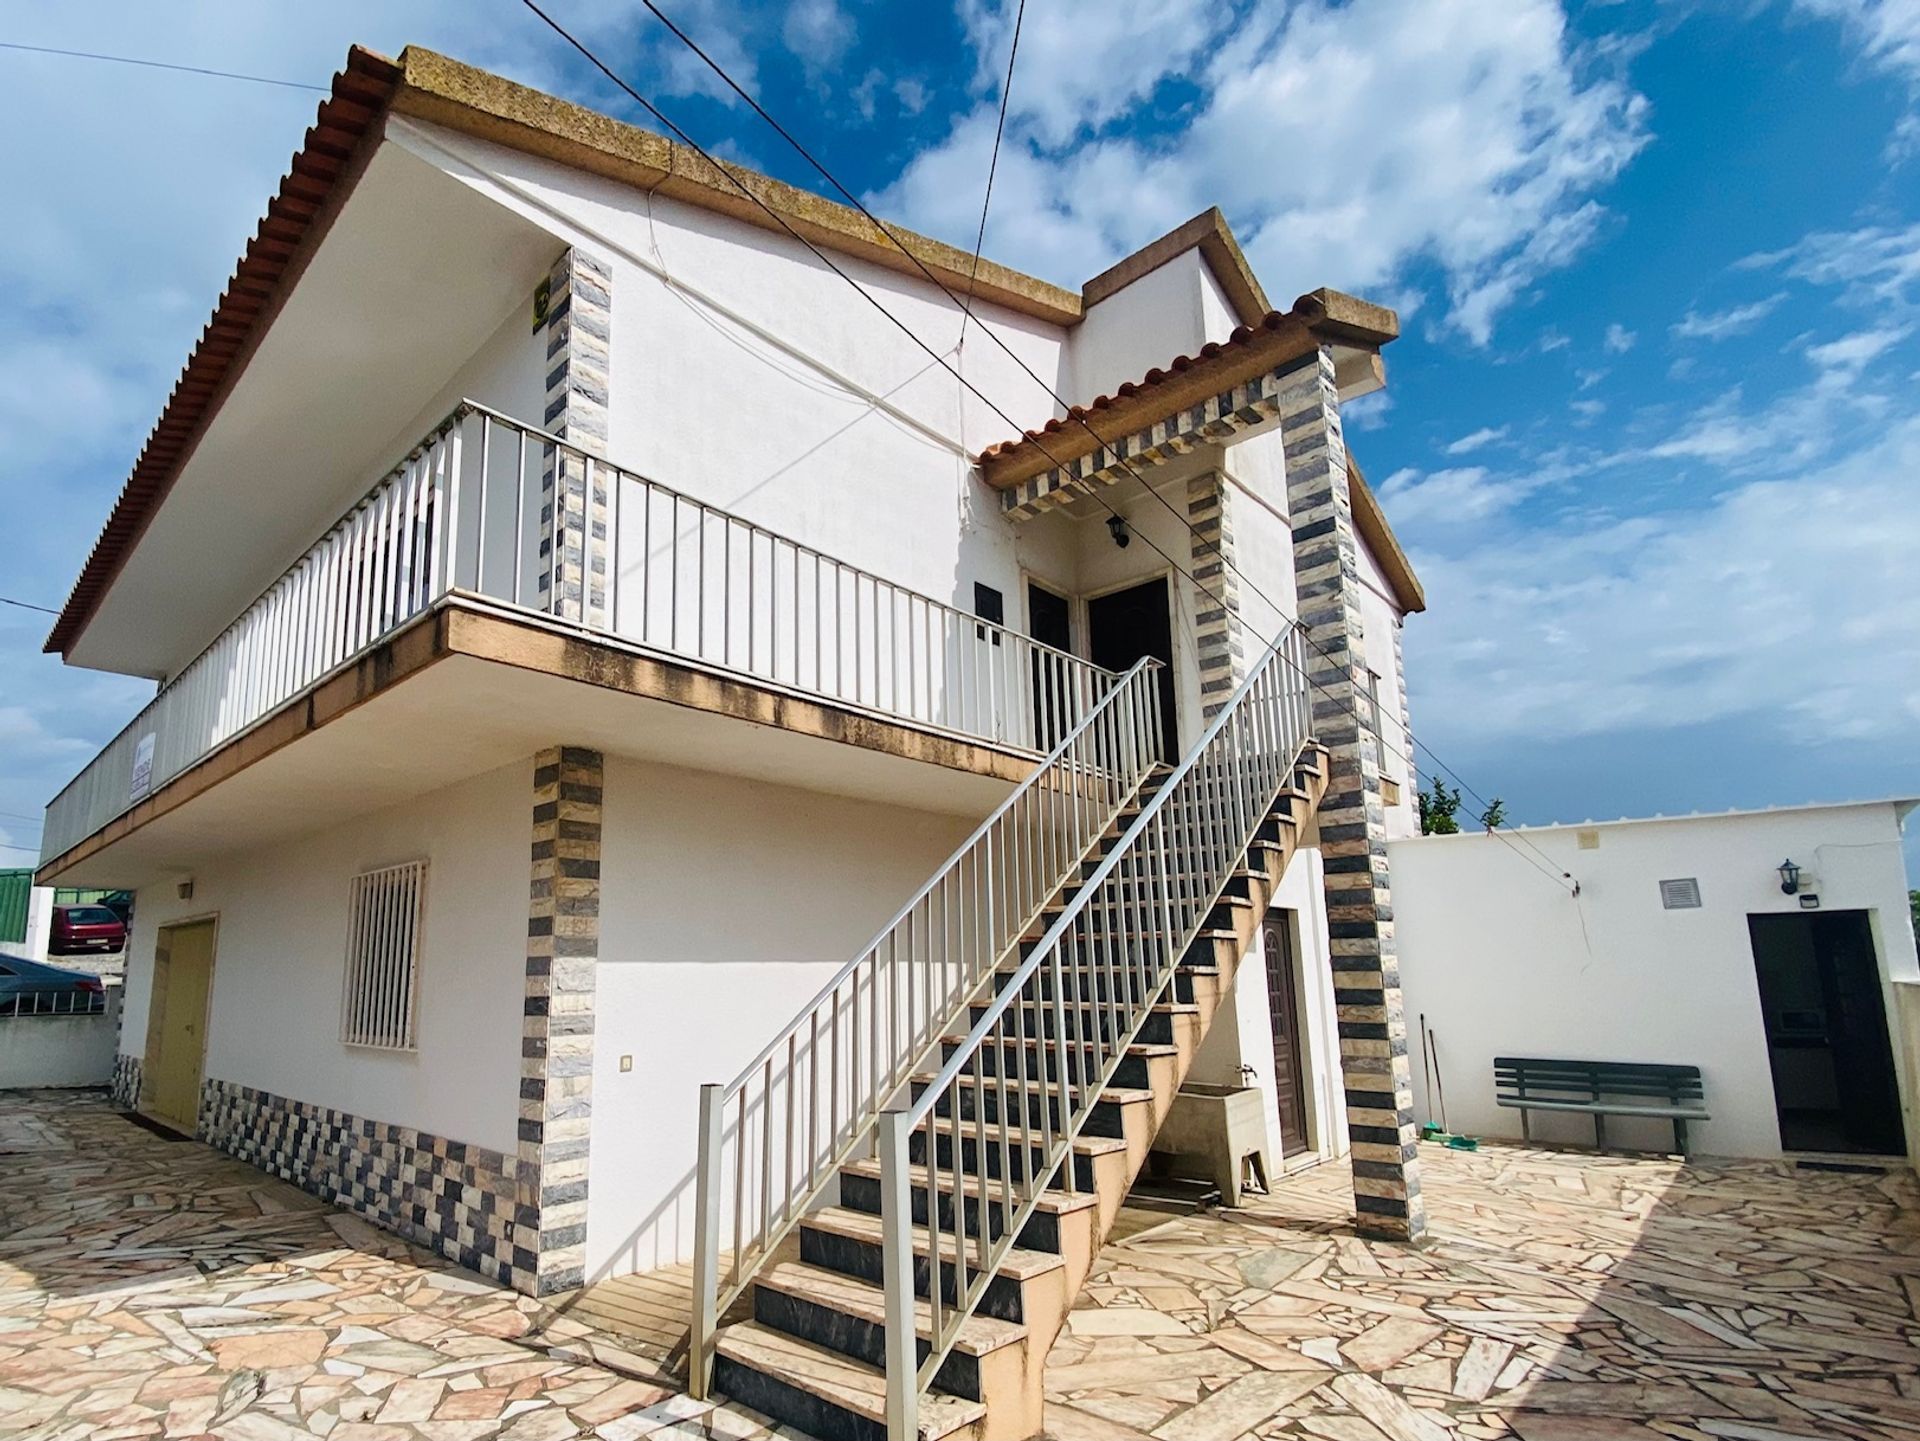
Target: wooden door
<point>177,1024</point>
<point>1283,1010</point>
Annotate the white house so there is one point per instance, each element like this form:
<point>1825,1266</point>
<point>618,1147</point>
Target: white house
<point>600,656</point>
<point>1772,949</point>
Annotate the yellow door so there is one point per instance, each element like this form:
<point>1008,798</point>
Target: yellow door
<point>176,1030</point>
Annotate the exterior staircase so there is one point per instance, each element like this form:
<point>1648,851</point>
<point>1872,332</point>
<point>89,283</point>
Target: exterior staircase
<point>930,1280</point>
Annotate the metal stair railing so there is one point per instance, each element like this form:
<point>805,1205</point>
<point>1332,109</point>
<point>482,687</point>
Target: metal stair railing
<point>773,1139</point>
<point>1117,944</point>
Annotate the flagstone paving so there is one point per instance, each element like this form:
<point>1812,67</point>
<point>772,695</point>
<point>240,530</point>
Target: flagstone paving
<point>1564,1297</point>
<point>155,1288</point>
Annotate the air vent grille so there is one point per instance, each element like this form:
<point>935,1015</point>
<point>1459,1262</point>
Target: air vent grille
<point>1680,895</point>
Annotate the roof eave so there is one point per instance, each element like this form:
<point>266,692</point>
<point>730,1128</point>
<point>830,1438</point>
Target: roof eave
<point>321,174</point>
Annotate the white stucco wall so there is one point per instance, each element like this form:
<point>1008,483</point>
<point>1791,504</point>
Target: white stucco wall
<point>59,1051</point>
<point>1172,310</point>
<point>280,952</point>
<point>726,905</point>
<point>1502,961</point>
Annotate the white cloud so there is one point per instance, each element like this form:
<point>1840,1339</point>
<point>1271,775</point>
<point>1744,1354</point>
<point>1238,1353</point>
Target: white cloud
<point>1460,495</point>
<point>1887,31</point>
<point>1842,360</point>
<point>1691,616</point>
<point>1722,324</point>
<point>1873,264</point>
<point>1619,340</point>
<point>819,32</point>
<point>1484,436</point>
<point>1473,140</point>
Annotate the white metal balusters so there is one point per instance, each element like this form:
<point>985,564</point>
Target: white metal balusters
<point>1087,987</point>
<point>381,565</point>
<point>773,1139</point>
<point>467,512</point>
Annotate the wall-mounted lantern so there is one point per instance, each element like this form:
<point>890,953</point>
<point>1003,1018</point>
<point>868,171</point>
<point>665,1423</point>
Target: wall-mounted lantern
<point>1789,878</point>
<point>1117,528</point>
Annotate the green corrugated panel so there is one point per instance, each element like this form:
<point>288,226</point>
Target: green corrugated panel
<point>16,889</point>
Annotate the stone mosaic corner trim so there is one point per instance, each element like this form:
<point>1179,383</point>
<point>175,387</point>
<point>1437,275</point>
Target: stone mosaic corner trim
<point>452,1197</point>
<point>125,1085</point>
<point>556,1048</point>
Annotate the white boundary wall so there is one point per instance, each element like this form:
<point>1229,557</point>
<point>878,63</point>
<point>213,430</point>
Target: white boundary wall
<point>1503,961</point>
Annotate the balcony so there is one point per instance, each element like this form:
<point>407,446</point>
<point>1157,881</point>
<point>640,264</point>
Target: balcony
<point>490,514</point>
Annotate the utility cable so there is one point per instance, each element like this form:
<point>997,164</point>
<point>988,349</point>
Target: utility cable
<point>901,326</point>
<point>27,605</point>
<point>993,168</point>
<point>159,65</point>
<point>1072,412</point>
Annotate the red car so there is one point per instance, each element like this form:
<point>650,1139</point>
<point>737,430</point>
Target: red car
<point>85,930</point>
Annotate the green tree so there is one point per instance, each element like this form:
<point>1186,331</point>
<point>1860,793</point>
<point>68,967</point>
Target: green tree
<point>1495,815</point>
<point>1438,810</point>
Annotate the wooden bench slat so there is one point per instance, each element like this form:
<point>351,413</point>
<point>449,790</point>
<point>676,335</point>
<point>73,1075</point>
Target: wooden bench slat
<point>1642,1089</point>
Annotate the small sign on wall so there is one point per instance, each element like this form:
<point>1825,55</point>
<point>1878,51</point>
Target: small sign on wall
<point>542,302</point>
<point>142,781</point>
<point>1809,903</point>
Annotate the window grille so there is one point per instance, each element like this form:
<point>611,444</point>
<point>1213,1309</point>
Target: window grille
<point>1680,895</point>
<point>385,916</point>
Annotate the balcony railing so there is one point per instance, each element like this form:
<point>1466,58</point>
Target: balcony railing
<point>488,507</point>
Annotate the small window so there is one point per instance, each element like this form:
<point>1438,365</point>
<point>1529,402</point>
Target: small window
<point>1681,895</point>
<point>989,605</point>
<point>384,919</point>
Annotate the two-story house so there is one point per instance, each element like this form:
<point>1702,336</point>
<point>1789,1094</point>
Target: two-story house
<point>671,743</point>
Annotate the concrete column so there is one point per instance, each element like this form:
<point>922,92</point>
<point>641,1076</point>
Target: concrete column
<point>1353,839</point>
<point>556,1037</point>
<point>573,493</point>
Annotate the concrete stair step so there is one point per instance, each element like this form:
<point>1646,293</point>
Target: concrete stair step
<point>823,1392</point>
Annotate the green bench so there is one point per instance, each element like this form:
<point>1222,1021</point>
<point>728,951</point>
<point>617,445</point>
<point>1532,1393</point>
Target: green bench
<point>1601,1089</point>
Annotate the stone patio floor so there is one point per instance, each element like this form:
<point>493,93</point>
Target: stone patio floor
<point>1563,1297</point>
<point>154,1288</point>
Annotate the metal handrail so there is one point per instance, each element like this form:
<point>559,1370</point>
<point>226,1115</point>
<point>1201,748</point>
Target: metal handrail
<point>1117,944</point>
<point>487,506</point>
<point>807,1103</point>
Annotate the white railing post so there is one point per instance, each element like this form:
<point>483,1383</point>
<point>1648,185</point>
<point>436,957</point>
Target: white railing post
<point>706,1242</point>
<point>896,1271</point>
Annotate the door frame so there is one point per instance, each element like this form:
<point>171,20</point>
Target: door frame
<point>1185,728</point>
<point>1287,920</point>
<point>156,1011</point>
<point>1076,609</point>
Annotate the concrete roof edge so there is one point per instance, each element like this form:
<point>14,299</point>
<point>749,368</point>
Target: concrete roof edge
<point>1213,237</point>
<point>449,92</point>
<point>1902,807</point>
<point>1371,521</point>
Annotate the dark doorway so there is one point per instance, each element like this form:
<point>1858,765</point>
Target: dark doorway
<point>1050,621</point>
<point>1827,1043</point>
<point>1283,1010</point>
<point>1124,626</point>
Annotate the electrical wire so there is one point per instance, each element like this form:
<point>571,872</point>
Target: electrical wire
<point>1072,412</point>
<point>827,261</point>
<point>27,605</point>
<point>993,168</point>
<point>159,65</point>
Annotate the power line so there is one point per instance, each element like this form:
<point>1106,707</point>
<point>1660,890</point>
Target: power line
<point>17,816</point>
<point>159,65</point>
<point>27,605</point>
<point>993,168</point>
<point>912,336</point>
<point>1074,413</point>
<point>10,846</point>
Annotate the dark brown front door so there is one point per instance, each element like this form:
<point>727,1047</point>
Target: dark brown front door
<point>1283,1010</point>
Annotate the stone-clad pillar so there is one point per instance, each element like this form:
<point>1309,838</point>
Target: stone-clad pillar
<point>573,512</point>
<point>1216,593</point>
<point>556,1036</point>
<point>1353,838</point>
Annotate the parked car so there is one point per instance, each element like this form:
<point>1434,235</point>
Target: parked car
<point>29,988</point>
<point>85,930</point>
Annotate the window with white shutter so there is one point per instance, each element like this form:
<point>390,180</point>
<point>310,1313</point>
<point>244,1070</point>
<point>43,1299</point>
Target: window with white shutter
<point>385,915</point>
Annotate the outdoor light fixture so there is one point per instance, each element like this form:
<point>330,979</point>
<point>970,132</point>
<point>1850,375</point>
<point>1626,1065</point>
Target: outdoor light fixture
<point>1117,528</point>
<point>1789,878</point>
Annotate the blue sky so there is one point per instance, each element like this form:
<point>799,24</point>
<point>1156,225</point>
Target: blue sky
<point>1652,433</point>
